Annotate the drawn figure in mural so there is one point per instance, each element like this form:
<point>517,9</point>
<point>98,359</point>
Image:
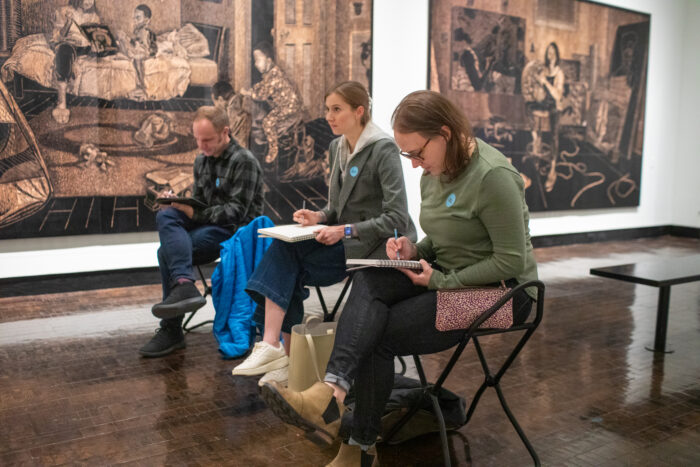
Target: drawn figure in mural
<point>279,92</point>
<point>495,62</point>
<point>476,66</point>
<point>366,59</point>
<point>543,87</point>
<point>154,129</point>
<point>224,97</point>
<point>139,46</point>
<point>627,52</point>
<point>228,180</point>
<point>69,42</point>
<point>366,202</point>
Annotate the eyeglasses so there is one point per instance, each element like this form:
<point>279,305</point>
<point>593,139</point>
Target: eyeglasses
<point>417,156</point>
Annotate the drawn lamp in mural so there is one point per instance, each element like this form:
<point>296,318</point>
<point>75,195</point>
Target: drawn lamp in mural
<point>24,183</point>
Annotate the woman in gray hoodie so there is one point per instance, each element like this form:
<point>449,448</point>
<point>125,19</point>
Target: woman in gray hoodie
<point>366,202</point>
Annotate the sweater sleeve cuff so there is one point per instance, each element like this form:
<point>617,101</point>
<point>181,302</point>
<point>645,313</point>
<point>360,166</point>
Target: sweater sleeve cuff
<point>436,278</point>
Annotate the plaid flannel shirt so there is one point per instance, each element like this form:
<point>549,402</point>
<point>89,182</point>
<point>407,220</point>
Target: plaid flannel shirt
<point>231,185</point>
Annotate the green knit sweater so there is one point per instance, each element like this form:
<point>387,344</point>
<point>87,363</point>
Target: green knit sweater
<point>477,225</point>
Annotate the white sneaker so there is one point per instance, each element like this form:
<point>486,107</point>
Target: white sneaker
<point>262,359</point>
<point>281,375</point>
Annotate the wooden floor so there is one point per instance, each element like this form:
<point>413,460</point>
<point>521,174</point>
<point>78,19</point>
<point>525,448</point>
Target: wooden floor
<point>73,389</point>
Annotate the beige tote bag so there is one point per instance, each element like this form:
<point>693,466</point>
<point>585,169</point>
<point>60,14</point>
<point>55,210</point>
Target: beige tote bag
<point>309,352</point>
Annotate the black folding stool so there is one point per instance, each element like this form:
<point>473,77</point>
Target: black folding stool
<point>327,317</point>
<point>207,291</point>
<point>491,380</point>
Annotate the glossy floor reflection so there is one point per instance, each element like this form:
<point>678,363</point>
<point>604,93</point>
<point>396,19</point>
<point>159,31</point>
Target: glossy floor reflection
<point>73,389</point>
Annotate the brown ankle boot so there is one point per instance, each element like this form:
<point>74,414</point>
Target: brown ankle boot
<point>353,456</point>
<point>312,409</point>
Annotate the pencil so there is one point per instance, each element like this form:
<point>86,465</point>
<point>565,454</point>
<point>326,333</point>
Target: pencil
<point>396,237</point>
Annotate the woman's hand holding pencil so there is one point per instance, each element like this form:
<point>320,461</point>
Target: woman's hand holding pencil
<point>305,216</point>
<point>400,248</point>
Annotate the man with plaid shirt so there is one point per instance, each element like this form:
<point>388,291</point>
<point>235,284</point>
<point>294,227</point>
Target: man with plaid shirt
<point>228,180</point>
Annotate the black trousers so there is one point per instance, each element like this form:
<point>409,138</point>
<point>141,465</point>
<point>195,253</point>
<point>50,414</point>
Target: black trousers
<point>385,316</point>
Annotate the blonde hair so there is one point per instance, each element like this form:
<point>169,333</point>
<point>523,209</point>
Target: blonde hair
<point>218,117</point>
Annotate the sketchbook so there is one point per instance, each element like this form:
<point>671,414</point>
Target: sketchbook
<point>195,203</point>
<point>290,233</point>
<point>96,36</point>
<point>353,264</point>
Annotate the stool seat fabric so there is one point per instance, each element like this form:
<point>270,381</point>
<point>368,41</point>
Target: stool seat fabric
<point>234,327</point>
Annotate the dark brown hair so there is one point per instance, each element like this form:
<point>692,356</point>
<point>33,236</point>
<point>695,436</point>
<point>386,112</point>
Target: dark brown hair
<point>425,113</point>
<point>356,95</point>
<point>218,117</point>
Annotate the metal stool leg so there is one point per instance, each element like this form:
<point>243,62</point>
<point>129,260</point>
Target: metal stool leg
<point>207,291</point>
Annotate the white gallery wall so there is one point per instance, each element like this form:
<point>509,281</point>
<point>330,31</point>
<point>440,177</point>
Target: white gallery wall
<point>685,184</point>
<point>670,185</point>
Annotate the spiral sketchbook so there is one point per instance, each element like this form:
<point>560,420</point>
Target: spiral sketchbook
<point>290,233</point>
<point>353,264</point>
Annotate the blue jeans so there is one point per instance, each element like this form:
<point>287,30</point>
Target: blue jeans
<point>183,243</point>
<point>385,316</point>
<point>285,270</point>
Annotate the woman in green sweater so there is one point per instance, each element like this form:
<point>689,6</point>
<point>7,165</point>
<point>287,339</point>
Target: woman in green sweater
<point>475,218</point>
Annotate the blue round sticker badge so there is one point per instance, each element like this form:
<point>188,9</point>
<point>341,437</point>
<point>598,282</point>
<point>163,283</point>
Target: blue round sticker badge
<point>450,200</point>
<point>218,182</point>
<point>353,171</point>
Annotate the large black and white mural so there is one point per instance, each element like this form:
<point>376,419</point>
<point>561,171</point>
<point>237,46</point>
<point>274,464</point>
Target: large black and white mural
<point>97,97</point>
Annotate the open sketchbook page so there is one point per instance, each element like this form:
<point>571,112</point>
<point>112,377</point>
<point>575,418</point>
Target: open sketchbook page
<point>290,232</point>
<point>353,264</point>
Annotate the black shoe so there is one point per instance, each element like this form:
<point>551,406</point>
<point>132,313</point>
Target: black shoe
<point>166,340</point>
<point>183,298</point>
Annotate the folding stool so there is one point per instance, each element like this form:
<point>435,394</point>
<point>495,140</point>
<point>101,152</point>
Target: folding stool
<point>207,291</point>
<point>490,380</point>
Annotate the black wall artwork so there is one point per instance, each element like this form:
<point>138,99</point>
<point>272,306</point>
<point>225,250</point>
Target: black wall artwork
<point>559,87</point>
<point>89,138</point>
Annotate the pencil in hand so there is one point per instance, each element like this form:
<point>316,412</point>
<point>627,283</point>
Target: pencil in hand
<point>396,238</point>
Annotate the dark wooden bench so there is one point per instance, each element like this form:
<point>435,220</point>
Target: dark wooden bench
<point>661,273</point>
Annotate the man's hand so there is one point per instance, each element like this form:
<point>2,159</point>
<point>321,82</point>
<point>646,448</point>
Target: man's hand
<point>165,194</point>
<point>187,209</point>
<point>306,217</point>
<point>330,235</point>
<point>422,278</point>
<point>403,246</point>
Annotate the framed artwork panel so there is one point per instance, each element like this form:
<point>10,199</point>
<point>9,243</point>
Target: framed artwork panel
<point>558,86</point>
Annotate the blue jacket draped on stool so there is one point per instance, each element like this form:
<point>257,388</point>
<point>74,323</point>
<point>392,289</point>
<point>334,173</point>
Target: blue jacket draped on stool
<point>233,322</point>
